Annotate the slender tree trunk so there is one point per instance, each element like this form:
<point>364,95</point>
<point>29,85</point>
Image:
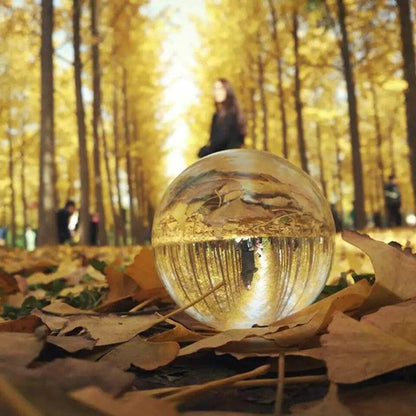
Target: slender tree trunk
<point>253,114</point>
<point>321,159</point>
<point>298,100</point>
<point>110,183</point>
<point>84,219</point>
<point>360,218</point>
<point>102,236</point>
<point>116,135</point>
<point>282,107</point>
<point>23,187</point>
<point>11,178</point>
<point>129,162</point>
<point>391,143</point>
<point>380,174</point>
<point>47,231</point>
<point>263,100</point>
<point>409,73</point>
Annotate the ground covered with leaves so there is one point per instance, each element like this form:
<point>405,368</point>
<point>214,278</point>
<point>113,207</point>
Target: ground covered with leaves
<point>91,331</point>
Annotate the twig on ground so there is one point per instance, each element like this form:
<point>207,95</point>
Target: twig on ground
<point>263,382</point>
<point>191,391</point>
<point>280,386</point>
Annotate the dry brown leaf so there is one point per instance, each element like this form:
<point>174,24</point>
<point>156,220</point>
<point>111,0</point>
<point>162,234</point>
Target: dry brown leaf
<point>347,299</point>
<point>25,324</point>
<point>110,329</point>
<point>8,283</point>
<point>62,308</point>
<point>355,351</point>
<point>398,399</point>
<point>54,323</point>
<point>37,398</point>
<point>71,344</point>
<point>120,285</point>
<point>399,320</point>
<point>295,328</point>
<point>329,406</point>
<point>395,271</point>
<point>143,270</point>
<point>70,374</point>
<point>132,405</point>
<point>179,334</point>
<point>143,354</point>
<point>18,348</point>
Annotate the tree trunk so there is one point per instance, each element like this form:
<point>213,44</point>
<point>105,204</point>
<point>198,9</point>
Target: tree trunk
<point>110,184</point>
<point>11,178</point>
<point>121,223</point>
<point>360,218</point>
<point>298,100</point>
<point>84,218</point>
<point>102,236</point>
<point>321,159</point>
<point>23,187</point>
<point>409,73</point>
<point>253,114</point>
<point>339,177</point>
<point>129,162</point>
<point>264,110</point>
<point>282,107</point>
<point>47,230</point>
<point>379,205</point>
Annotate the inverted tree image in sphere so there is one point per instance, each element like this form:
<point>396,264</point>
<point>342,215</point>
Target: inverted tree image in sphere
<point>249,219</point>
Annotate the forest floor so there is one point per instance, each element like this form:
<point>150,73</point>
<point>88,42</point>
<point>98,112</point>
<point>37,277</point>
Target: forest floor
<point>93,331</point>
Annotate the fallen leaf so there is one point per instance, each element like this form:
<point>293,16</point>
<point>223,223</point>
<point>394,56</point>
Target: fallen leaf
<point>329,406</point>
<point>110,329</point>
<point>179,334</point>
<point>347,299</point>
<point>399,320</point>
<point>386,399</point>
<point>398,399</point>
<point>120,285</point>
<point>18,348</point>
<point>62,308</point>
<point>71,344</point>
<point>53,322</point>
<point>395,271</point>
<point>295,328</point>
<point>71,374</point>
<point>143,270</point>
<point>355,351</point>
<point>8,283</point>
<point>143,354</point>
<point>133,404</point>
<point>26,324</point>
<point>39,397</point>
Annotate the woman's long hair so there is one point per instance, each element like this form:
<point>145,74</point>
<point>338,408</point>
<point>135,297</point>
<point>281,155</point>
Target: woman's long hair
<point>230,105</point>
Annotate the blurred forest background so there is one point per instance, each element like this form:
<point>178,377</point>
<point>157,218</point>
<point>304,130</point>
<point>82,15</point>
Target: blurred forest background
<point>328,84</point>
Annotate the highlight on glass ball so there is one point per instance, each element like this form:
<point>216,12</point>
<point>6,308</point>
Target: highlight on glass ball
<point>249,219</point>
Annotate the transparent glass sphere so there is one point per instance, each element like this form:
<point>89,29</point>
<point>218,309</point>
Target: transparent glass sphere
<point>249,219</point>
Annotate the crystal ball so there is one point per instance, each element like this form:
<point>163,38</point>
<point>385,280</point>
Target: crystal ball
<point>249,219</point>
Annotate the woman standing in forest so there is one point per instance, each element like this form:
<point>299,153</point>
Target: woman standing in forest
<point>228,125</point>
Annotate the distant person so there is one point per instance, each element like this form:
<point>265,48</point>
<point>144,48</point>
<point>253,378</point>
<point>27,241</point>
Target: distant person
<point>3,236</point>
<point>393,200</point>
<point>62,220</point>
<point>30,237</point>
<point>94,220</point>
<point>228,125</point>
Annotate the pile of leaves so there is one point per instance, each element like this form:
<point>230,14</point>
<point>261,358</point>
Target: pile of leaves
<point>105,338</point>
